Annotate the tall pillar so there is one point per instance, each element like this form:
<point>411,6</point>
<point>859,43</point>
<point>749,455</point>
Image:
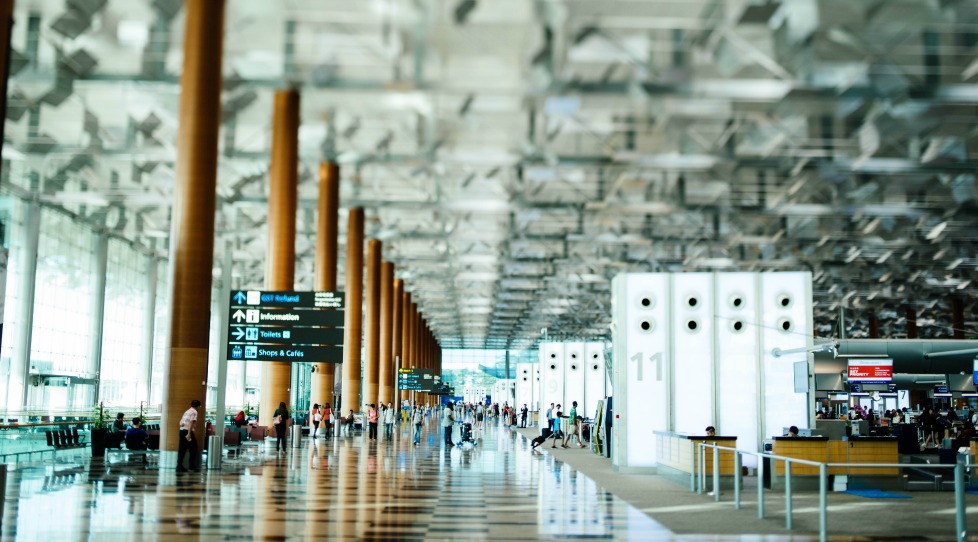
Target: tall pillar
<point>283,198</point>
<point>6,24</point>
<point>327,239</point>
<point>21,359</point>
<point>353,321</point>
<point>957,317</point>
<point>192,223</point>
<point>371,350</point>
<point>386,394</point>
<point>101,264</point>
<point>415,351</point>
<point>911,321</point>
<point>874,326</point>
<point>149,331</point>
<point>396,318</point>
<point>406,337</point>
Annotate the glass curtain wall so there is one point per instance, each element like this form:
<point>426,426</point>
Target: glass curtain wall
<point>62,372</point>
<point>123,334</point>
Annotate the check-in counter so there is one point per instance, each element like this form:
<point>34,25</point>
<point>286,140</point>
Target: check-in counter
<point>677,454</point>
<point>807,448</point>
<point>855,450</point>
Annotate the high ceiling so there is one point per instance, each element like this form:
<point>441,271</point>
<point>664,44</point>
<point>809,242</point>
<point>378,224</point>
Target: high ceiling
<point>515,155</point>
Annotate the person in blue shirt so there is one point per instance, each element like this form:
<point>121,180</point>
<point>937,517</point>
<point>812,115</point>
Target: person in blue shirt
<point>136,436</point>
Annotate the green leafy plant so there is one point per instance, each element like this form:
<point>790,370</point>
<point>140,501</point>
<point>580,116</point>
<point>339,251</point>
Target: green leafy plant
<point>99,417</point>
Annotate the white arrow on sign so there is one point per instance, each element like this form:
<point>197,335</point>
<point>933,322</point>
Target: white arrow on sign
<point>238,334</point>
<point>238,315</point>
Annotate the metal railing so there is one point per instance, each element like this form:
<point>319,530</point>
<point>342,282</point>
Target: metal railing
<point>699,475</point>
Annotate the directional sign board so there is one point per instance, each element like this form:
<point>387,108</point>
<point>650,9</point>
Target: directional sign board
<point>286,326</point>
<point>417,379</point>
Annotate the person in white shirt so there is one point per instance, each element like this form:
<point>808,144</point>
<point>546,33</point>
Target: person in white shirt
<point>389,422</point>
<point>447,421</point>
<point>188,438</point>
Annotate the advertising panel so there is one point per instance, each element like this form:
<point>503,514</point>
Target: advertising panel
<point>871,371</point>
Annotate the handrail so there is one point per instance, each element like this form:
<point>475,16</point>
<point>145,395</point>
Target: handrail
<point>698,467</point>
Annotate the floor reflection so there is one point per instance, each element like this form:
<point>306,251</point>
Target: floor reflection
<point>345,488</point>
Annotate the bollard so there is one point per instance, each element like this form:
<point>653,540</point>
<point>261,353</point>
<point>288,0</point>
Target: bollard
<point>296,437</point>
<point>215,449</point>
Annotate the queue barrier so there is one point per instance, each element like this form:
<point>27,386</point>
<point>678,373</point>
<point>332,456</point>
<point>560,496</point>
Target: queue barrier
<point>961,528</point>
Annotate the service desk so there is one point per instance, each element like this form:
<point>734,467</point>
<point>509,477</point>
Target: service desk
<point>855,450</point>
<point>677,455</point>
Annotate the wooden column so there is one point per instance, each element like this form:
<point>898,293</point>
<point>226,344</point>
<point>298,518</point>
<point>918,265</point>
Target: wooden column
<point>386,393</point>
<point>408,340</point>
<point>192,239</point>
<point>6,25</point>
<point>405,336</point>
<point>957,317</point>
<point>283,197</point>
<point>353,321</point>
<point>371,350</point>
<point>911,322</point>
<point>327,238</point>
<point>416,343</point>
<point>396,332</point>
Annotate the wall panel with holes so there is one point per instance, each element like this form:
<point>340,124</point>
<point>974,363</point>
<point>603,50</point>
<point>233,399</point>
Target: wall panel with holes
<point>785,302</point>
<point>574,375</point>
<point>551,373</point>
<point>594,378</point>
<point>737,359</point>
<point>692,351</point>
<point>641,338</point>
<point>524,385</point>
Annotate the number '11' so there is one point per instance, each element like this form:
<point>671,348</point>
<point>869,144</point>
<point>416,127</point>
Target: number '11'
<point>654,358</point>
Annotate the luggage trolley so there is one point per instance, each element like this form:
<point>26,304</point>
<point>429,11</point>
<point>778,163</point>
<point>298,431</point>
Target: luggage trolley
<point>465,430</point>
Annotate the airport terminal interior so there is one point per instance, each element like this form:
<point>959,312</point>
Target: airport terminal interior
<point>489,269</point>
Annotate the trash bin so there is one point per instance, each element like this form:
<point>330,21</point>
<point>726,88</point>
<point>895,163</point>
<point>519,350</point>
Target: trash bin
<point>215,449</point>
<point>296,437</point>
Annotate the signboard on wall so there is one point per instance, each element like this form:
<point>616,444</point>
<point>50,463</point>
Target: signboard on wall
<point>871,371</point>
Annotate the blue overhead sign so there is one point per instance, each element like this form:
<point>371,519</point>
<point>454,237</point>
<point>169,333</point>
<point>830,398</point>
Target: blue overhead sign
<point>286,326</point>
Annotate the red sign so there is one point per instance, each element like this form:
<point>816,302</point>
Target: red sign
<point>871,370</point>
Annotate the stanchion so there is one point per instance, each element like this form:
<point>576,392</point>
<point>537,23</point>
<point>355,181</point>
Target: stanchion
<point>215,448</point>
<point>737,480</point>
<point>959,508</point>
<point>787,494</point>
<point>296,436</point>
<point>716,474</point>
<point>760,487</point>
<point>3,489</point>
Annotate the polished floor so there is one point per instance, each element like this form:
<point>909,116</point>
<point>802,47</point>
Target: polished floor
<point>346,488</point>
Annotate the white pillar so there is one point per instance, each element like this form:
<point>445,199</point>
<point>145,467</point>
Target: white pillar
<point>21,358</point>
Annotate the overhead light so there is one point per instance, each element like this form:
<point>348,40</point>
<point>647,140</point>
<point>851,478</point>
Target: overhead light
<point>463,10</point>
<point>936,231</point>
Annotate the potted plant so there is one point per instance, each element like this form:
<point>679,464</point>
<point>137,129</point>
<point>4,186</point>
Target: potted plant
<point>98,432</point>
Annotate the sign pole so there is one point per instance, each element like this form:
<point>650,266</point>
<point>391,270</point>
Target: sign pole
<point>222,363</point>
